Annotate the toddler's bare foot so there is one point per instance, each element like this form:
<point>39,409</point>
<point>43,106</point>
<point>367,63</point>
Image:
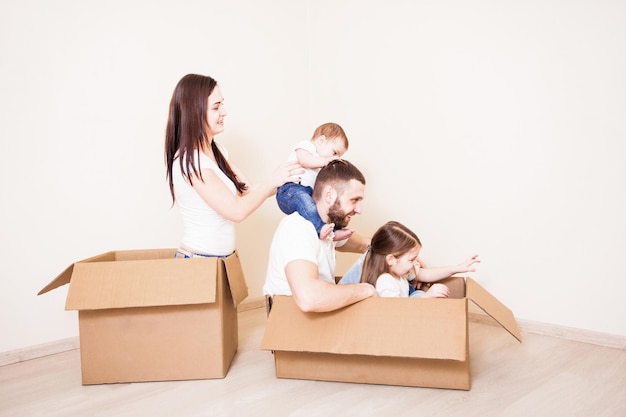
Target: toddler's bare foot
<point>326,230</point>
<point>342,234</point>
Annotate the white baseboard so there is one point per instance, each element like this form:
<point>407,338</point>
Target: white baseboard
<point>38,351</point>
<point>562,332</point>
<point>577,335</point>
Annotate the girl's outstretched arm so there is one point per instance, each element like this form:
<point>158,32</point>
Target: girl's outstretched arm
<point>437,273</point>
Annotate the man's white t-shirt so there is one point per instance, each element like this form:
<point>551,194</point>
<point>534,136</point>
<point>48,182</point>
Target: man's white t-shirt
<point>389,286</point>
<point>296,239</point>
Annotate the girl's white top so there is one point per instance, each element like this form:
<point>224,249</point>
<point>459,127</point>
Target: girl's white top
<point>389,286</point>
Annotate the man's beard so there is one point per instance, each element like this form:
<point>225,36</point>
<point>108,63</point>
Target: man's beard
<point>338,216</point>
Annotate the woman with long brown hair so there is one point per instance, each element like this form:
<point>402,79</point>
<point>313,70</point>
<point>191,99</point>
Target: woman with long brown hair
<point>211,192</point>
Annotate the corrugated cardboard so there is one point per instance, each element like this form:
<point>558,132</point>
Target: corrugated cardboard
<point>146,316</point>
<point>410,342</point>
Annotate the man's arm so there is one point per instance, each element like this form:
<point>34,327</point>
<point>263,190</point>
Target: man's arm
<point>315,295</point>
<point>356,244</point>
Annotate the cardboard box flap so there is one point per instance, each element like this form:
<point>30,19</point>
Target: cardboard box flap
<point>493,307</point>
<point>375,326</point>
<point>61,279</point>
<point>65,276</point>
<point>154,282</point>
<point>236,279</point>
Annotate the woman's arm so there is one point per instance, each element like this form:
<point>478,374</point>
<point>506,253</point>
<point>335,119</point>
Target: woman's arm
<point>237,207</point>
<point>355,244</point>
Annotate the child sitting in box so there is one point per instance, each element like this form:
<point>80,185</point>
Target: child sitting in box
<point>392,261</point>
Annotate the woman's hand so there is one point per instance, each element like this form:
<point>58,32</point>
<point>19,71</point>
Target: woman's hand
<point>289,172</point>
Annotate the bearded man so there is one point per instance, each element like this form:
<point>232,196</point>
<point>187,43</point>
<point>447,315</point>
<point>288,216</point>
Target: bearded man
<point>302,265</point>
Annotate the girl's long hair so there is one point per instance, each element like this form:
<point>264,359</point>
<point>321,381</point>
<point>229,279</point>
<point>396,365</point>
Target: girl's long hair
<point>392,238</point>
<point>187,128</point>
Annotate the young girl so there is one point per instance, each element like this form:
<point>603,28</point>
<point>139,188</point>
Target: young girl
<point>392,260</point>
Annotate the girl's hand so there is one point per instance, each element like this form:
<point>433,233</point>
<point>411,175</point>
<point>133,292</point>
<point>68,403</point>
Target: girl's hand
<point>437,291</point>
<point>467,265</point>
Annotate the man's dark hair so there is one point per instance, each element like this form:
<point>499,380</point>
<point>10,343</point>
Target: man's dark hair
<point>337,173</point>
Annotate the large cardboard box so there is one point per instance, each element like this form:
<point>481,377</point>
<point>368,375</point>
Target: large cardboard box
<point>392,341</point>
<point>145,316</point>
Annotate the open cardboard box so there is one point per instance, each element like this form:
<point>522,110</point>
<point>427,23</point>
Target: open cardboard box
<point>145,316</point>
<point>411,342</point>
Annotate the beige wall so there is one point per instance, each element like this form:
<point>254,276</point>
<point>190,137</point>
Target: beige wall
<point>496,128</point>
<point>491,127</point>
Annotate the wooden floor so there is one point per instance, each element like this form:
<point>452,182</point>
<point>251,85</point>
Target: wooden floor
<point>543,376</point>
